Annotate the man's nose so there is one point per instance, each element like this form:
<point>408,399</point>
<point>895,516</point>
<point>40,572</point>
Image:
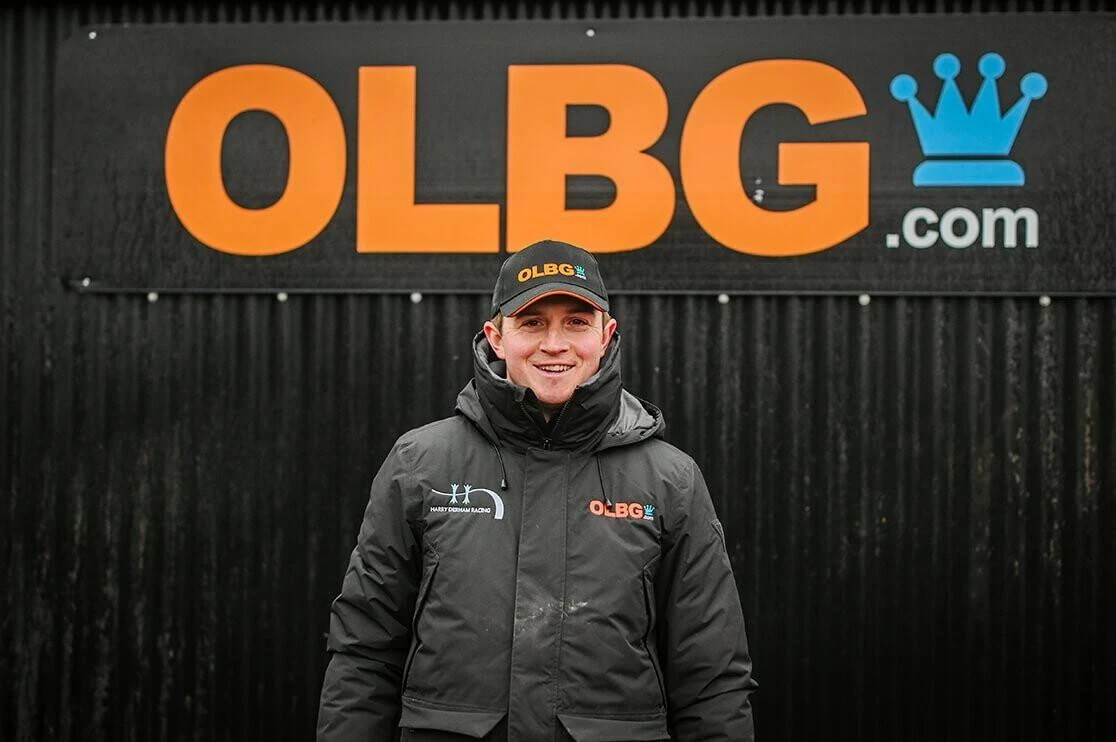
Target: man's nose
<point>554,340</point>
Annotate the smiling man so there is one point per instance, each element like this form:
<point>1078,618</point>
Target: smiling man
<point>551,326</point>
<point>552,346</point>
<point>542,565</point>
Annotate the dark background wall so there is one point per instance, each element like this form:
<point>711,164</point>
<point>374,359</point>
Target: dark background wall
<point>919,494</point>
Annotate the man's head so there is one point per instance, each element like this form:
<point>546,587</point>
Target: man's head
<point>550,320</point>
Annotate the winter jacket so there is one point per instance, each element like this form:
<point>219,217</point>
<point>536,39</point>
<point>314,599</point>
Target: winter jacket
<point>520,580</point>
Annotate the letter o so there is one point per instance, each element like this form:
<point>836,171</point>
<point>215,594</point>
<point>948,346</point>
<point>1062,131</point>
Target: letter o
<point>525,275</point>
<point>972,227</point>
<point>315,181</point>
<point>596,507</point>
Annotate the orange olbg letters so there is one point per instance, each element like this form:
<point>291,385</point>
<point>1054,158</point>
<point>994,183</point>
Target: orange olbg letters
<point>709,160</point>
<point>317,160</point>
<point>388,219</point>
<point>540,156</point>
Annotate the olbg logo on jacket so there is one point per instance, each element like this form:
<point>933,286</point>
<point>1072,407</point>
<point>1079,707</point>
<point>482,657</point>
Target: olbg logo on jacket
<point>632,510</point>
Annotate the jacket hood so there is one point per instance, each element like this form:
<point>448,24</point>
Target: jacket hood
<point>599,415</point>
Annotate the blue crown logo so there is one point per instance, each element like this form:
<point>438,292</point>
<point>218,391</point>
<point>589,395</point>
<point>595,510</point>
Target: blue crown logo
<point>955,131</point>
<point>579,271</point>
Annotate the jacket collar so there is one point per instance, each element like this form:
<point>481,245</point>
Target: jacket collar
<point>600,414</point>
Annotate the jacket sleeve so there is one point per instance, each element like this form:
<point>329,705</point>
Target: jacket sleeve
<point>370,621</point>
<point>702,644</point>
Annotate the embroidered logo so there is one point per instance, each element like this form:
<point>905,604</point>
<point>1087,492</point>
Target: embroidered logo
<point>550,269</point>
<point>632,510</point>
<point>459,501</point>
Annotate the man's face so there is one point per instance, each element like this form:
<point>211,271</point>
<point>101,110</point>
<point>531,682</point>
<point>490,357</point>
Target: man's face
<point>552,346</point>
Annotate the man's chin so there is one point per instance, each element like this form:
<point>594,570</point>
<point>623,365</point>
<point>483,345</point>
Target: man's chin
<point>551,402</point>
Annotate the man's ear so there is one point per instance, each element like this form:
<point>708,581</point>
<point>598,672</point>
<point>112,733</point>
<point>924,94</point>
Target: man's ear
<point>495,339</point>
<point>606,336</point>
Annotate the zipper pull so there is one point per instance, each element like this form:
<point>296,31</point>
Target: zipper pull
<point>546,444</point>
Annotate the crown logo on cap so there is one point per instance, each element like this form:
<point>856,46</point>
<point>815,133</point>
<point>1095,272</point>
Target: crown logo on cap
<point>579,271</point>
<point>973,143</point>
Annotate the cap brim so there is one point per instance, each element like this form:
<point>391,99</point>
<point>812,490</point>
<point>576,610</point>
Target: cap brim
<point>521,301</point>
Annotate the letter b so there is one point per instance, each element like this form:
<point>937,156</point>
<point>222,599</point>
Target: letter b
<point>540,156</point>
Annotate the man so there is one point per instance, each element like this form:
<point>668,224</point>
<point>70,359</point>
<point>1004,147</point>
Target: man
<point>541,565</point>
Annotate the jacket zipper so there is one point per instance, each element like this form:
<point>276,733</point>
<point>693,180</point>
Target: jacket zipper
<point>557,421</point>
<point>542,433</point>
<point>546,439</point>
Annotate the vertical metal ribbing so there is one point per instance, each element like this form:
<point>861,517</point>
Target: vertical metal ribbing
<point>917,493</point>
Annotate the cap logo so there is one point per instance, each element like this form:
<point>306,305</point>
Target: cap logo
<point>550,269</point>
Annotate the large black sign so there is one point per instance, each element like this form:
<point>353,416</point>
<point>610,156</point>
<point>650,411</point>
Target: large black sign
<point>954,155</point>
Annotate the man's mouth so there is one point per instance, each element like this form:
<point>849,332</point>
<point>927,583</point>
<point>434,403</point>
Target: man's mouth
<point>554,369</point>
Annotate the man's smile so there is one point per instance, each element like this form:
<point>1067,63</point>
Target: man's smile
<point>553,369</point>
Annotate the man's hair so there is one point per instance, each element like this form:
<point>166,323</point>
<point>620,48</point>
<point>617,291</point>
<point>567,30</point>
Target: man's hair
<point>498,320</point>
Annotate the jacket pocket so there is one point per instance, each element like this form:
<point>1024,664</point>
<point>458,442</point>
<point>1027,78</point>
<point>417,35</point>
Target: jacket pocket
<point>471,724</point>
<point>596,729</point>
<point>420,603</point>
<point>649,643</point>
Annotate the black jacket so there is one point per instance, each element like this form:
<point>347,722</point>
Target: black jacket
<point>521,581</point>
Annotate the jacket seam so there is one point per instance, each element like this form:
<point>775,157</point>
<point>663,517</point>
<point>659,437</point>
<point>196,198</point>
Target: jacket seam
<point>565,569</point>
<point>676,518</point>
<point>425,586</point>
<point>409,471</point>
<point>652,634</point>
<point>689,487</point>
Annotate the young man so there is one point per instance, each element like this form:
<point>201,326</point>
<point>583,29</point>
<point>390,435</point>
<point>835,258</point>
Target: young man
<point>541,565</point>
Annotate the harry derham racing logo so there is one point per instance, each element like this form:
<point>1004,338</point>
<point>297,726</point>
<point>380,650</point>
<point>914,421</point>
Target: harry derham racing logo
<point>459,502</point>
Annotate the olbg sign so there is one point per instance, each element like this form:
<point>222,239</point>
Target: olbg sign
<point>539,158</point>
<point>916,154</point>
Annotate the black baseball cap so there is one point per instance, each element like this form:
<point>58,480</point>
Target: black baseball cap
<point>544,269</point>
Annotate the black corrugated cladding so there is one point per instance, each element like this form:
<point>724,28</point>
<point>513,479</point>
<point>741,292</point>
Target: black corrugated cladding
<point>919,494</point>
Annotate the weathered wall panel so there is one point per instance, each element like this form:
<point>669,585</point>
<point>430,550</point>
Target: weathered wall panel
<point>919,494</point>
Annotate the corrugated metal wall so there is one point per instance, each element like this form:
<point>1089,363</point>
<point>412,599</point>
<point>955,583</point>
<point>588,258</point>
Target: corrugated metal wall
<point>920,493</point>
